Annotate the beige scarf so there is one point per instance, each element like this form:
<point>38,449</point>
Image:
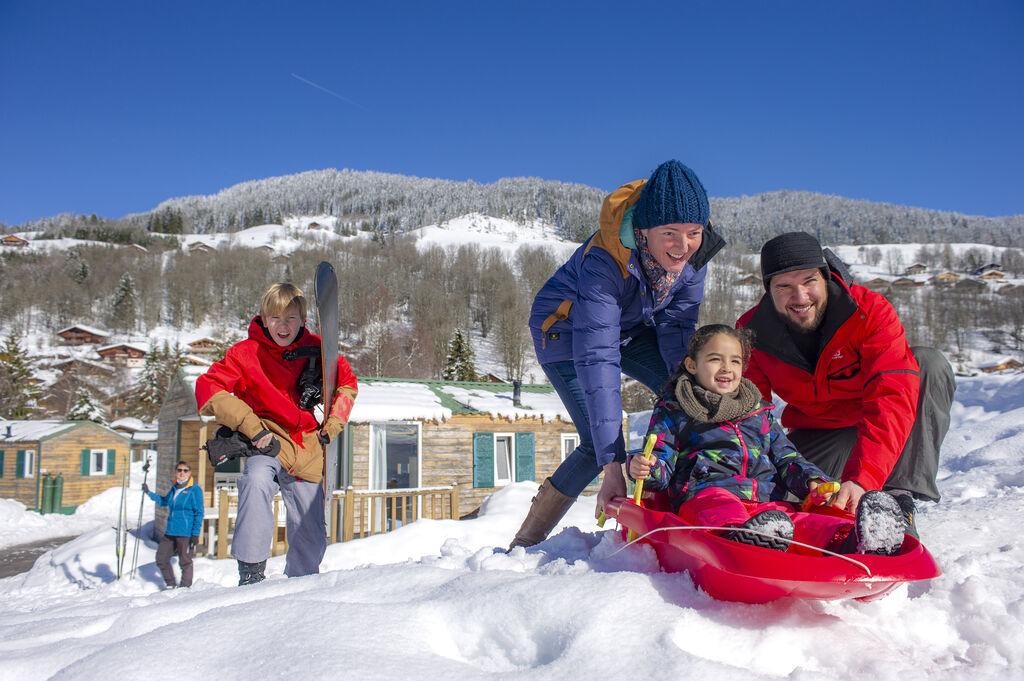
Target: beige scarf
<point>705,406</point>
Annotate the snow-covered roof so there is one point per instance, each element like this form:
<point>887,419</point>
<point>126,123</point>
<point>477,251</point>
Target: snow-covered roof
<point>134,346</point>
<point>25,431</point>
<point>382,399</point>
<point>393,399</point>
<point>129,423</point>
<point>88,329</point>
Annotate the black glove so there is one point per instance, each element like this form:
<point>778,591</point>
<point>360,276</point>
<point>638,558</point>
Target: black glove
<point>145,487</point>
<point>192,543</point>
<point>227,444</point>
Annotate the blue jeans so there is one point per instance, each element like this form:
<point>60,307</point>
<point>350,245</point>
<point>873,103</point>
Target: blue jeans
<point>641,360</point>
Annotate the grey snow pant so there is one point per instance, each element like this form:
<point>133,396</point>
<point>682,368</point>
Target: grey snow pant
<point>918,465</point>
<point>168,546</point>
<point>254,526</point>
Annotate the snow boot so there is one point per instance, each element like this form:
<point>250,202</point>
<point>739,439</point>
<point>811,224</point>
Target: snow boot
<point>775,526</point>
<point>251,573</point>
<point>547,509</point>
<point>906,501</point>
<point>879,525</point>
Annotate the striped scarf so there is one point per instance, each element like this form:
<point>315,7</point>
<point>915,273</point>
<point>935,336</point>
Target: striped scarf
<point>661,281</point>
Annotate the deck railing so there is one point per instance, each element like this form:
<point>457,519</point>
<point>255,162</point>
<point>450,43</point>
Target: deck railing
<point>351,514</point>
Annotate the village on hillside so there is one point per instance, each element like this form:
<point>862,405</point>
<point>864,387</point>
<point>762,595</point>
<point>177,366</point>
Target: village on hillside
<point>413,448</point>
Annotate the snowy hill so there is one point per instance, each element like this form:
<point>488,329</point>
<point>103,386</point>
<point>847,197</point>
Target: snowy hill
<point>490,232</point>
<point>441,599</point>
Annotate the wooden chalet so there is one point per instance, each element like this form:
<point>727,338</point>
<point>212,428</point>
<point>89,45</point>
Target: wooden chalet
<point>985,269</point>
<point>80,334</point>
<point>992,275</point>
<point>87,457</point>
<point>916,268</point>
<point>200,247</point>
<point>877,284</point>
<point>142,436</point>
<point>204,346</point>
<point>124,354</point>
<point>13,241</point>
<point>905,282</point>
<point>1009,364</point>
<point>408,443</point>
<point>945,278</point>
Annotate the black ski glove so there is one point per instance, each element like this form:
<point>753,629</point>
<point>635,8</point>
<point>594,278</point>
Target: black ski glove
<point>145,487</point>
<point>192,543</point>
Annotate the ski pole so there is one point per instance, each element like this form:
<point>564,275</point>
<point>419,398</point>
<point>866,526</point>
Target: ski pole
<point>138,528</point>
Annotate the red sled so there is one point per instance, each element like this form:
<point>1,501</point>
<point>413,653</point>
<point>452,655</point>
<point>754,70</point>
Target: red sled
<point>731,571</point>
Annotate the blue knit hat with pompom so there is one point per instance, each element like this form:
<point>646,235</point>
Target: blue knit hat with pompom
<point>672,195</point>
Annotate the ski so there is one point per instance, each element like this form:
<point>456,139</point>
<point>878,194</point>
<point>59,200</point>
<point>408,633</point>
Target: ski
<point>121,540</point>
<point>138,528</point>
<point>325,294</point>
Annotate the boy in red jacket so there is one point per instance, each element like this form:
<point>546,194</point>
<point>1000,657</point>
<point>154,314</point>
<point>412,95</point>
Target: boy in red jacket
<point>255,391</point>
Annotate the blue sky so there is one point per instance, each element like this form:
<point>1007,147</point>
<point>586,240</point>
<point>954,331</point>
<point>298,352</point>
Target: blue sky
<point>110,107</point>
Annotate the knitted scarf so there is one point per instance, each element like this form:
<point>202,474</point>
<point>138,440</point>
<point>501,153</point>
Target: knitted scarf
<point>705,406</point>
<point>661,280</point>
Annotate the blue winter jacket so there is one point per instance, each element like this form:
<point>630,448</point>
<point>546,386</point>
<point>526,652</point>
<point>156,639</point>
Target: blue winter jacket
<point>748,457</point>
<point>600,300</point>
<point>186,515</point>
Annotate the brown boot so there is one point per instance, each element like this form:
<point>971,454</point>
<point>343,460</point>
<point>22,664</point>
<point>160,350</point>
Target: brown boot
<point>547,509</point>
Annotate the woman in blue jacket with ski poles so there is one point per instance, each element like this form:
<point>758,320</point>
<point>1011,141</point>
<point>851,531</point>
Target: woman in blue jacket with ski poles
<point>184,524</point>
<point>626,302</point>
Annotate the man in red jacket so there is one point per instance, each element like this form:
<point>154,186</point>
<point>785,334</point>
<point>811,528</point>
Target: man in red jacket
<point>861,404</point>
<point>254,390</point>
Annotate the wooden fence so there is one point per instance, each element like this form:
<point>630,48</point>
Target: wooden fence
<point>351,514</point>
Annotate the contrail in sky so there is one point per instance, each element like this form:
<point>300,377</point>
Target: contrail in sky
<point>320,87</point>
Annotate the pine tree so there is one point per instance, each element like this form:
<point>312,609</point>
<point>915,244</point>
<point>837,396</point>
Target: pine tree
<point>18,394</point>
<point>124,303</point>
<point>459,366</point>
<point>150,385</point>
<point>85,408</point>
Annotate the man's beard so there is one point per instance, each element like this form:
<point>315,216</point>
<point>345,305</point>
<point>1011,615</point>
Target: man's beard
<point>819,315</point>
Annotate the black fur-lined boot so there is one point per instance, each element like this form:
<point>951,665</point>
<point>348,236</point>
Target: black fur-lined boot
<point>251,573</point>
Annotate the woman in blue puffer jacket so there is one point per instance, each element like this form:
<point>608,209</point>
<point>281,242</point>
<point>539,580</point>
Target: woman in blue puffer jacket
<point>184,524</point>
<point>626,302</point>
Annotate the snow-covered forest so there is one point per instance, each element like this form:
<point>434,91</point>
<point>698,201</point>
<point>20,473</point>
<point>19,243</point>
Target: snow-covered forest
<point>388,204</point>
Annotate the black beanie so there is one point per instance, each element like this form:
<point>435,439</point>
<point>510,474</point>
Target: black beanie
<point>789,252</point>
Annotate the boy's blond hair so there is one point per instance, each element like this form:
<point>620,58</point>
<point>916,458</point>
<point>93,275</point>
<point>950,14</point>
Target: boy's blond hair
<point>280,297</point>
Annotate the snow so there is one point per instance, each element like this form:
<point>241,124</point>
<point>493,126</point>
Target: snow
<point>24,431</point>
<point>397,401</point>
<point>547,406</point>
<point>441,599</point>
<point>490,232</point>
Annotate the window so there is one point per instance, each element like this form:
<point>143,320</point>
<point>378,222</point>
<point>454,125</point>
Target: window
<point>502,458</point>
<point>28,466</point>
<point>98,462</point>
<point>570,441</point>
<point>394,464</point>
<point>394,455</point>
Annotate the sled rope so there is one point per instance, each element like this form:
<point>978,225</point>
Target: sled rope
<point>859,564</point>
